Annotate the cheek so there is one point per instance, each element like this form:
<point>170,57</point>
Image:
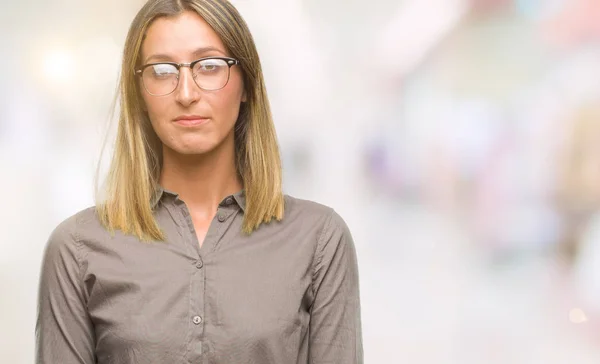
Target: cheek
<point>156,108</point>
<point>226,103</point>
<point>226,107</point>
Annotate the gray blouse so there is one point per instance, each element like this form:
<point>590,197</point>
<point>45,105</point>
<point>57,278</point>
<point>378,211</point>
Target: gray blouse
<point>286,294</point>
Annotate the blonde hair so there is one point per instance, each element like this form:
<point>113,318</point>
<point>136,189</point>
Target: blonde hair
<point>132,180</point>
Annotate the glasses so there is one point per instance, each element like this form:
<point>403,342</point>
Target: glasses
<point>210,74</point>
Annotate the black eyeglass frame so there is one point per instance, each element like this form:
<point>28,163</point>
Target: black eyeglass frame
<point>230,62</point>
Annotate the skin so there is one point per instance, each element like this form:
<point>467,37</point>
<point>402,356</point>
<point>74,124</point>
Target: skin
<point>198,161</point>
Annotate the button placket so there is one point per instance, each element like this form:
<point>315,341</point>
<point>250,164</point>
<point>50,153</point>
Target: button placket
<point>196,311</point>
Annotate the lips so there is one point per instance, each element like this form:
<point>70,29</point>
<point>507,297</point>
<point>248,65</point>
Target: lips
<point>191,120</point>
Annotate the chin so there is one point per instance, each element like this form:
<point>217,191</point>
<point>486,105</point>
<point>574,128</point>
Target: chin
<point>197,146</point>
<point>189,144</point>
<point>193,150</point>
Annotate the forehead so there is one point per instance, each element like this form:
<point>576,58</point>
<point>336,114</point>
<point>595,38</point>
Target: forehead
<point>180,37</point>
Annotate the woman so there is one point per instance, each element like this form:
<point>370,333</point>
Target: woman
<point>194,255</point>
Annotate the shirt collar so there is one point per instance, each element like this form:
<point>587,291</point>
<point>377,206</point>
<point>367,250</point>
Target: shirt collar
<point>239,197</point>
<point>158,195</point>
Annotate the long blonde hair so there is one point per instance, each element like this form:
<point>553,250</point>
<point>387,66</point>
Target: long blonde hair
<point>132,180</point>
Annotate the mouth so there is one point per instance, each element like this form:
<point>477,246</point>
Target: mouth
<point>191,120</point>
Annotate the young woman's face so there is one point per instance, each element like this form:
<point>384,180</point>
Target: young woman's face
<point>183,39</point>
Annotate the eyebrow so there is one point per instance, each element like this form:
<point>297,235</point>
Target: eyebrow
<point>197,53</point>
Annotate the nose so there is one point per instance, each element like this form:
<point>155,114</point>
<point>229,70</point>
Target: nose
<point>187,92</point>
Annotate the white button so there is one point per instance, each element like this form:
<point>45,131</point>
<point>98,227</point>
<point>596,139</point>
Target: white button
<point>197,320</point>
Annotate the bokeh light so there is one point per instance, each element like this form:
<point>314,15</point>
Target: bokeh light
<point>59,67</point>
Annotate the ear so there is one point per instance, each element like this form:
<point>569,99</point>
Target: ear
<point>244,97</point>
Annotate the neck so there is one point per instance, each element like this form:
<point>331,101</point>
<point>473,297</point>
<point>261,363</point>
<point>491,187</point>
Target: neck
<point>202,181</point>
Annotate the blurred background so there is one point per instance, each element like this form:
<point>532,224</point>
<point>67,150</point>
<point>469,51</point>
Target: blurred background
<point>459,139</point>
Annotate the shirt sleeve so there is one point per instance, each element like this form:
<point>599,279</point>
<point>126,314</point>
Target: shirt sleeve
<point>64,332</point>
<point>335,318</point>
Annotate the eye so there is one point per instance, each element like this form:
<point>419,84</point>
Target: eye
<point>163,70</point>
<point>209,66</point>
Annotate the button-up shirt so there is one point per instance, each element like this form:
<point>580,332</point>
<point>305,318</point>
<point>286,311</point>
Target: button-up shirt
<point>286,294</point>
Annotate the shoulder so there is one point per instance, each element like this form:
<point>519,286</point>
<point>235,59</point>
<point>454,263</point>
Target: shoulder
<point>312,212</point>
<point>329,232</point>
<point>62,249</point>
<point>297,206</point>
<point>72,229</point>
